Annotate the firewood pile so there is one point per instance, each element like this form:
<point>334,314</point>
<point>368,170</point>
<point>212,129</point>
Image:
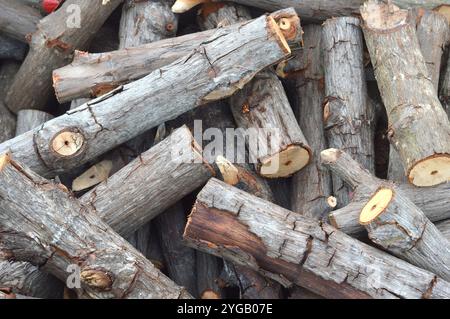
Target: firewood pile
<point>243,149</point>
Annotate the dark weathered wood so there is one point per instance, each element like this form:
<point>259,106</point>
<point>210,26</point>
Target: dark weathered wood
<point>8,70</point>
<point>18,20</point>
<point>7,123</point>
<point>316,10</point>
<point>295,249</point>
<point>30,119</point>
<point>312,185</point>
<point>91,74</point>
<point>348,114</point>
<point>42,223</point>
<point>51,46</point>
<point>211,72</point>
<point>419,129</point>
<point>12,48</point>
<point>433,201</point>
<point>445,89</point>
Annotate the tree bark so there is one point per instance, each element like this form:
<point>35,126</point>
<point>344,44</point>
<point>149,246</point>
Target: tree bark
<point>30,119</point>
<point>444,228</point>
<point>433,34</point>
<point>96,127</point>
<point>17,20</point>
<point>69,234</point>
<point>7,123</point>
<point>12,48</point>
<point>419,130</point>
<point>348,114</point>
<point>7,120</point>
<point>311,186</point>
<point>445,89</point>
<point>91,74</point>
<point>295,249</point>
<point>51,46</point>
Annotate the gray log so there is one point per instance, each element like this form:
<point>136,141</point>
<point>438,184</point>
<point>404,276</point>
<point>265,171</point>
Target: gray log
<point>56,38</point>
<point>8,70</point>
<point>91,74</point>
<point>12,48</point>
<point>30,119</point>
<point>348,114</point>
<point>211,72</point>
<point>444,228</point>
<point>311,186</point>
<point>295,249</point>
<point>42,223</point>
<point>17,20</point>
<point>419,129</point>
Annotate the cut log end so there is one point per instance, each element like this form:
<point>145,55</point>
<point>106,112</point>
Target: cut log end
<point>380,16</point>
<point>285,163</point>
<point>209,294</point>
<point>431,171</point>
<point>182,6</point>
<point>444,10</point>
<point>93,176</point>
<point>290,27</point>
<point>376,205</point>
<point>332,201</point>
<point>278,34</point>
<point>229,172</point>
<point>4,160</point>
<point>67,143</point>
<point>330,155</point>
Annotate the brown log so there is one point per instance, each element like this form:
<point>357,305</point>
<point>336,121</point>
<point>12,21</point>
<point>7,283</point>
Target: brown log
<point>312,185</point>
<point>348,114</point>
<point>419,129</point>
<point>90,75</point>
<point>17,20</point>
<point>50,48</point>
<point>292,248</point>
<point>70,234</point>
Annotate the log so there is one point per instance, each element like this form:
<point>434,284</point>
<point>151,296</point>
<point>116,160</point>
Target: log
<point>312,186</point>
<point>170,170</point>
<point>7,120</point>
<point>348,114</point>
<point>419,129</point>
<point>51,46</point>
<point>396,224</point>
<point>315,10</point>
<point>12,49</point>
<point>444,228</point>
<point>433,34</point>
<point>69,234</point>
<point>208,269</point>
<point>30,119</point>
<point>101,124</point>
<point>7,123</point>
<point>17,20</point>
<point>433,201</point>
<point>295,249</point>
<point>91,74</point>
<point>96,174</point>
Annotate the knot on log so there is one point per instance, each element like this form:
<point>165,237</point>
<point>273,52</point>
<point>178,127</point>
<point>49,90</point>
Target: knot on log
<point>95,278</point>
<point>67,143</point>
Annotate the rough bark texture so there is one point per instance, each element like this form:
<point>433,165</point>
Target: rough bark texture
<point>433,201</point>
<point>348,114</point>
<point>312,185</point>
<point>41,223</point>
<point>7,123</point>
<point>150,184</point>
<point>445,89</point>
<point>17,20</point>
<point>418,127</point>
<point>295,249</point>
<point>8,70</point>
<point>404,230</point>
<point>433,34</point>
<point>89,75</point>
<point>12,49</point>
<point>51,46</point>
<point>444,228</point>
<point>212,72</point>
<point>30,119</point>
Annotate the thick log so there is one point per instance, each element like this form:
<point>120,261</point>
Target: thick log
<point>433,201</point>
<point>396,224</point>
<point>433,34</point>
<point>315,10</point>
<point>69,234</point>
<point>295,249</point>
<point>18,20</point>
<point>419,129</point>
<point>311,186</point>
<point>12,48</point>
<point>56,38</point>
<point>8,70</point>
<point>445,89</point>
<point>348,114</point>
<point>444,228</point>
<point>30,119</point>
<point>101,124</point>
<point>7,123</point>
<point>91,74</point>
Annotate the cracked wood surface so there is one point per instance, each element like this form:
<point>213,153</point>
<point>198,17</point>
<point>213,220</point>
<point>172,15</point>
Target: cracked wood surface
<point>295,249</point>
<point>51,46</point>
<point>348,115</point>
<point>40,222</point>
<point>419,129</point>
<point>213,71</point>
<point>311,186</point>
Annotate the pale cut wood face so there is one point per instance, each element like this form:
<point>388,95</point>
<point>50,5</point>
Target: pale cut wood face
<point>285,163</point>
<point>376,205</point>
<point>181,6</point>
<point>431,171</point>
